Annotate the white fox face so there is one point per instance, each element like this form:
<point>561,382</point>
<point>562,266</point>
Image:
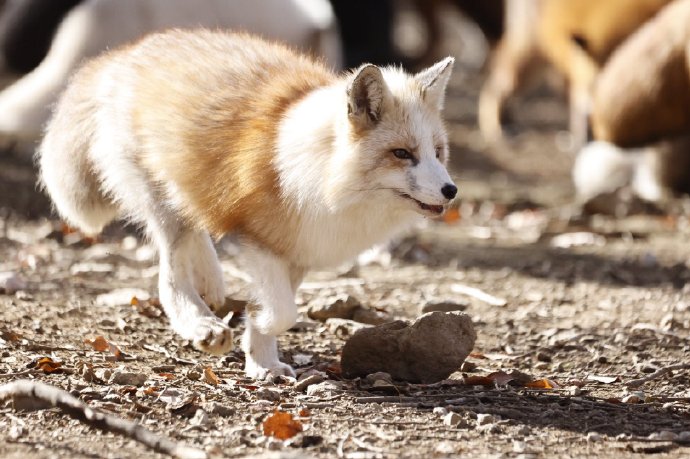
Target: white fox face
<point>401,142</point>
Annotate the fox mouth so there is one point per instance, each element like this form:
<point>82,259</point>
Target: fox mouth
<point>435,209</point>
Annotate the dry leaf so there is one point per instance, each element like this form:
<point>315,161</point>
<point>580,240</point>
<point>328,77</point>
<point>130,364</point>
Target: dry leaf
<point>210,377</point>
<point>542,384</point>
<point>151,390</point>
<point>48,365</point>
<point>497,378</point>
<point>281,425</point>
<point>452,215</point>
<point>8,335</point>
<point>476,380</point>
<point>168,376</point>
<point>477,355</point>
<point>334,370</point>
<point>304,412</point>
<point>147,308</point>
<point>100,344</point>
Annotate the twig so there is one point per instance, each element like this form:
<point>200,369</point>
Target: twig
<point>658,373</point>
<point>478,294</point>
<point>20,373</point>
<point>341,445</point>
<point>77,409</point>
<point>364,445</point>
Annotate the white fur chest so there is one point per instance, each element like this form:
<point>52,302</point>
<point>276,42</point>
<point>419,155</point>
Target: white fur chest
<point>329,239</point>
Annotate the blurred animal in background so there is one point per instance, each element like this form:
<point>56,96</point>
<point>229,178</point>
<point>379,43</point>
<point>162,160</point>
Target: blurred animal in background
<point>574,36</point>
<point>488,15</point>
<point>641,114</point>
<point>95,25</point>
<point>26,31</point>
<point>367,28</point>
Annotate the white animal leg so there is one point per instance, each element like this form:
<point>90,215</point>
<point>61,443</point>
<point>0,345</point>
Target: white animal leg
<point>180,272</point>
<point>273,312</point>
<point>206,272</point>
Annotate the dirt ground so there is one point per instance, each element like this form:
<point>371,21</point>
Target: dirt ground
<point>591,304</point>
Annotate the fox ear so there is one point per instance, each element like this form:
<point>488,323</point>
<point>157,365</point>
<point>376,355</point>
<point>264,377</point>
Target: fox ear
<point>366,94</point>
<point>433,81</point>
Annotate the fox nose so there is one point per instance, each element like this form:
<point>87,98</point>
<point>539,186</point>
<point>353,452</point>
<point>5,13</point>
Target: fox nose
<point>449,190</point>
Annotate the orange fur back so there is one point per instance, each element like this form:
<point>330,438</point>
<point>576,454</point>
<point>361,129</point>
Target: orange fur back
<point>214,137</point>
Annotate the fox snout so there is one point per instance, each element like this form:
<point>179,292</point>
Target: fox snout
<point>449,191</point>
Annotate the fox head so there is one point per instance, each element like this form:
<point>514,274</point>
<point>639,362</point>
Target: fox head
<point>398,136</point>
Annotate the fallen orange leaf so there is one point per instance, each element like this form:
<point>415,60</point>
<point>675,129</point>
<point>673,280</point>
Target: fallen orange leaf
<point>475,380</point>
<point>151,390</point>
<point>48,365</point>
<point>167,376</point>
<point>100,344</point>
<point>452,215</point>
<point>541,384</point>
<point>210,377</point>
<point>134,301</point>
<point>281,425</point>
<point>500,378</point>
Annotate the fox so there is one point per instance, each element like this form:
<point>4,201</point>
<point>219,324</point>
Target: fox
<point>196,134</point>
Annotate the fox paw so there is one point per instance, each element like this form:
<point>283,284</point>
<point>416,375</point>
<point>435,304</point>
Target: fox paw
<point>254,370</point>
<point>208,282</point>
<point>213,336</point>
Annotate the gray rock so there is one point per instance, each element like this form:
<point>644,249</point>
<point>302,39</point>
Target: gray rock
<point>344,327</point>
<point>308,381</point>
<point>264,393</point>
<point>127,378</point>
<point>220,409</point>
<point>485,419</point>
<point>370,316</point>
<point>333,307</point>
<point>444,306</point>
<point>427,351</point>
<point>451,419</point>
<point>325,389</point>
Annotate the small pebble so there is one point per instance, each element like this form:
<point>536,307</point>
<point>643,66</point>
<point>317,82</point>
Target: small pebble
<point>451,419</point>
<point>524,431</point>
<point>273,444</point>
<point>310,380</point>
<point>593,437</point>
<point>519,447</point>
<point>635,397</point>
<point>272,395</point>
<point>445,447</point>
<point>573,391</point>
<point>127,378</point>
<point>664,435</point>
<point>445,306</point>
<point>16,432</point>
<point>485,419</point>
<point>200,418</point>
<point>440,411</point>
<point>468,366</point>
<point>324,389</point>
<point>684,436</point>
<point>221,410</point>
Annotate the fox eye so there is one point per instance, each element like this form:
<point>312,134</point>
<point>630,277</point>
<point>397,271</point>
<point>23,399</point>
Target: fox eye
<point>401,153</point>
<point>438,152</point>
